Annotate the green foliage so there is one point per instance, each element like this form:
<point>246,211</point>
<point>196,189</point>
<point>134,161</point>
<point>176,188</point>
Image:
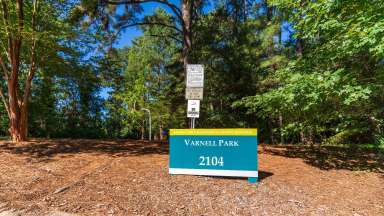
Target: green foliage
<point>143,83</point>
<point>322,84</point>
<point>64,96</point>
<point>332,90</point>
<point>342,137</point>
<point>228,46</point>
<point>3,121</point>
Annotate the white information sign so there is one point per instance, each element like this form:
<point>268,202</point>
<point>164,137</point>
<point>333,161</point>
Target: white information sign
<point>195,76</point>
<point>193,110</point>
<point>194,93</point>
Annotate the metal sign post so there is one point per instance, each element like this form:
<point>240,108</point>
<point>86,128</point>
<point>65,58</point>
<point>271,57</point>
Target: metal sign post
<point>194,91</point>
<point>150,122</point>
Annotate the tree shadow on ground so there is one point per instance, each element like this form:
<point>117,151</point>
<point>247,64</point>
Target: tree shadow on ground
<point>46,149</point>
<point>332,157</point>
<point>262,175</point>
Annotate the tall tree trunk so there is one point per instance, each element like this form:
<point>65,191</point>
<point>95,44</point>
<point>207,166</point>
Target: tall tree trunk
<point>303,138</point>
<point>142,130</point>
<point>14,111</point>
<point>186,10</point>
<point>311,137</point>
<point>18,114</point>
<point>24,121</point>
<point>281,128</point>
<point>270,126</point>
<point>186,22</point>
<point>16,104</point>
<point>161,137</point>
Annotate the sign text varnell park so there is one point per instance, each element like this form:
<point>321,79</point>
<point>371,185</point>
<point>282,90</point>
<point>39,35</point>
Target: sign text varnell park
<point>214,152</point>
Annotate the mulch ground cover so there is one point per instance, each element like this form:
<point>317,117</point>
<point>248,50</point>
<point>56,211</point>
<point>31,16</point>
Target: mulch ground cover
<point>127,177</point>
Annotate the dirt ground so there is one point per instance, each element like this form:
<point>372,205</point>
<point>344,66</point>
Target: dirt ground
<point>126,177</point>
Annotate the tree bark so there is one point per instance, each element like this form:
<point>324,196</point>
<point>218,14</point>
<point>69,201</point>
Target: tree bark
<point>142,130</point>
<point>14,111</point>
<point>281,128</point>
<point>186,6</point>
<point>270,126</point>
<point>15,41</point>
<point>161,137</point>
<point>16,104</point>
<point>311,138</point>
<point>303,138</point>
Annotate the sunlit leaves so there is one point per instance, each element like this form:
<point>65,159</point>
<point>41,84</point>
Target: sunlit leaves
<point>331,88</point>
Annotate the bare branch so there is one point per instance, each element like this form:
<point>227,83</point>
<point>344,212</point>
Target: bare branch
<point>20,28</point>
<point>32,68</point>
<point>167,36</point>
<point>20,15</point>
<point>173,7</point>
<point>152,23</point>
<point>28,81</point>
<point>6,27</point>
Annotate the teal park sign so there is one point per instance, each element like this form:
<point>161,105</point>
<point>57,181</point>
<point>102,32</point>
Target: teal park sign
<point>214,152</point>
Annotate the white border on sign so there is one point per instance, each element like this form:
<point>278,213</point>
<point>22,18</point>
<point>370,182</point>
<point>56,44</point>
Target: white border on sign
<point>212,172</point>
<point>195,71</point>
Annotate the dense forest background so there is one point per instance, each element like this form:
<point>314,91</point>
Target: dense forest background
<point>299,71</point>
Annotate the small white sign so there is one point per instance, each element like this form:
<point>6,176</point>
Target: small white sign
<point>193,110</point>
<point>195,76</point>
<point>194,93</point>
